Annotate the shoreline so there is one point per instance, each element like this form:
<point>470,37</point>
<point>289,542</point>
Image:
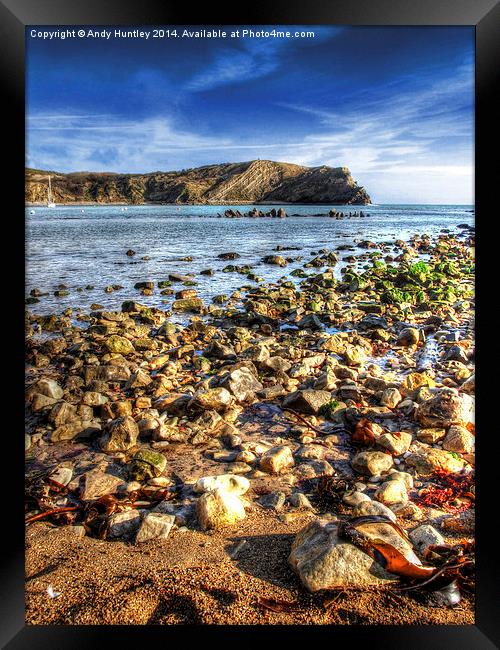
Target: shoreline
<point>221,203</point>
<point>326,400</point>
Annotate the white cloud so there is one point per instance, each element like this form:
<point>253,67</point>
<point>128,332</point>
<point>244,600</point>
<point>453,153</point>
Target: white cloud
<point>231,66</point>
<point>256,58</point>
<point>65,144</point>
<point>407,142</point>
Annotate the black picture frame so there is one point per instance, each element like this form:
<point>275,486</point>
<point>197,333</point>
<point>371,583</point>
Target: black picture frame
<point>485,16</point>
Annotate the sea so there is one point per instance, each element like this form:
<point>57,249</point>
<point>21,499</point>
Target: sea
<point>84,247</point>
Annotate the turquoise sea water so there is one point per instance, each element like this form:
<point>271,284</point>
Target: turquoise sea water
<point>81,245</point>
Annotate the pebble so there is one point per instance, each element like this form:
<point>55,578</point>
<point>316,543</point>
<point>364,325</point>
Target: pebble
<point>373,508</point>
<point>62,475</point>
<point>300,500</point>
<point>155,525</point>
<point>425,535</point>
<point>355,498</point>
<point>277,460</point>
<point>391,492</point>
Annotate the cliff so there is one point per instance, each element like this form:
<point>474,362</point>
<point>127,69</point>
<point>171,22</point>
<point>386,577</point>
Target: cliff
<point>257,181</point>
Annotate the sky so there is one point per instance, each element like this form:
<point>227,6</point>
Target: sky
<point>393,104</point>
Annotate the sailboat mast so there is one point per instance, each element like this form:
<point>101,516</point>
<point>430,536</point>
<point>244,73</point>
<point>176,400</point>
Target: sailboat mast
<point>50,192</point>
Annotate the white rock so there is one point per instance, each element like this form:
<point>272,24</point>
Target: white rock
<point>397,443</point>
<point>372,463</point>
<point>373,508</point>
<point>155,525</point>
<point>425,535</point>
<point>459,439</point>
<point>62,475</point>
<point>391,397</point>
<point>160,481</point>
<point>230,483</point>
<point>354,498</point>
<point>50,388</point>
<point>218,508</point>
<point>391,492</point>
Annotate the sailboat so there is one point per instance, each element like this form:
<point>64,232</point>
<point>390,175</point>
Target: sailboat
<point>50,202</point>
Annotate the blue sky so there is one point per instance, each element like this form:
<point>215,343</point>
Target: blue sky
<point>395,105</point>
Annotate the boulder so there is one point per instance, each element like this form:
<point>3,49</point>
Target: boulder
<point>355,355</point>
<point>428,461</point>
<point>277,364</point>
<point>218,508</point>
<point>415,380</point>
<point>423,536</point>
<point>355,498</point>
<point>373,508</point>
<point>307,401</point>
<point>445,409</point>
<point>98,482</point>
<point>147,464</point>
<point>119,345</point>
<point>112,373</point>
<point>242,384</point>
<point>194,305</point>
<point>62,413</point>
<point>40,402</point>
<point>326,380</point>
<point>273,501</point>
<point>431,436</point>
<point>408,336</point>
<point>92,398</point>
<point>322,560</point>
<point>216,399</point>
<point>314,469</point>
<point>217,350</point>
<point>459,439</point>
<point>278,260</point>
<point>391,492</point>
<point>455,353</point>
<point>391,397</point>
<point>277,460</point>
<point>372,463</point>
<point>49,387</point>
<point>123,525</point>
<point>120,435</point>
<point>405,477</point>
<point>75,428</point>
<point>397,443</point>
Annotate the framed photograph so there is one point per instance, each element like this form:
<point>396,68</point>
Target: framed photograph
<point>245,249</point>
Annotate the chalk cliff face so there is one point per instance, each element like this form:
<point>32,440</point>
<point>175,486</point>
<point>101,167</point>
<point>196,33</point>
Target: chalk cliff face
<point>257,181</point>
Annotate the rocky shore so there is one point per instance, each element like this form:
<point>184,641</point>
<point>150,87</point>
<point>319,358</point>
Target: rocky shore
<point>298,452</point>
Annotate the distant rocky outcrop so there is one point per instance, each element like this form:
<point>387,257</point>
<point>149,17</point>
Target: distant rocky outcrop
<point>257,181</point>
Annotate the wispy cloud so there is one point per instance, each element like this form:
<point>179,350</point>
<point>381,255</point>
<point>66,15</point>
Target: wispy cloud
<point>402,131</point>
<point>230,67</point>
<point>72,143</point>
<point>251,59</point>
